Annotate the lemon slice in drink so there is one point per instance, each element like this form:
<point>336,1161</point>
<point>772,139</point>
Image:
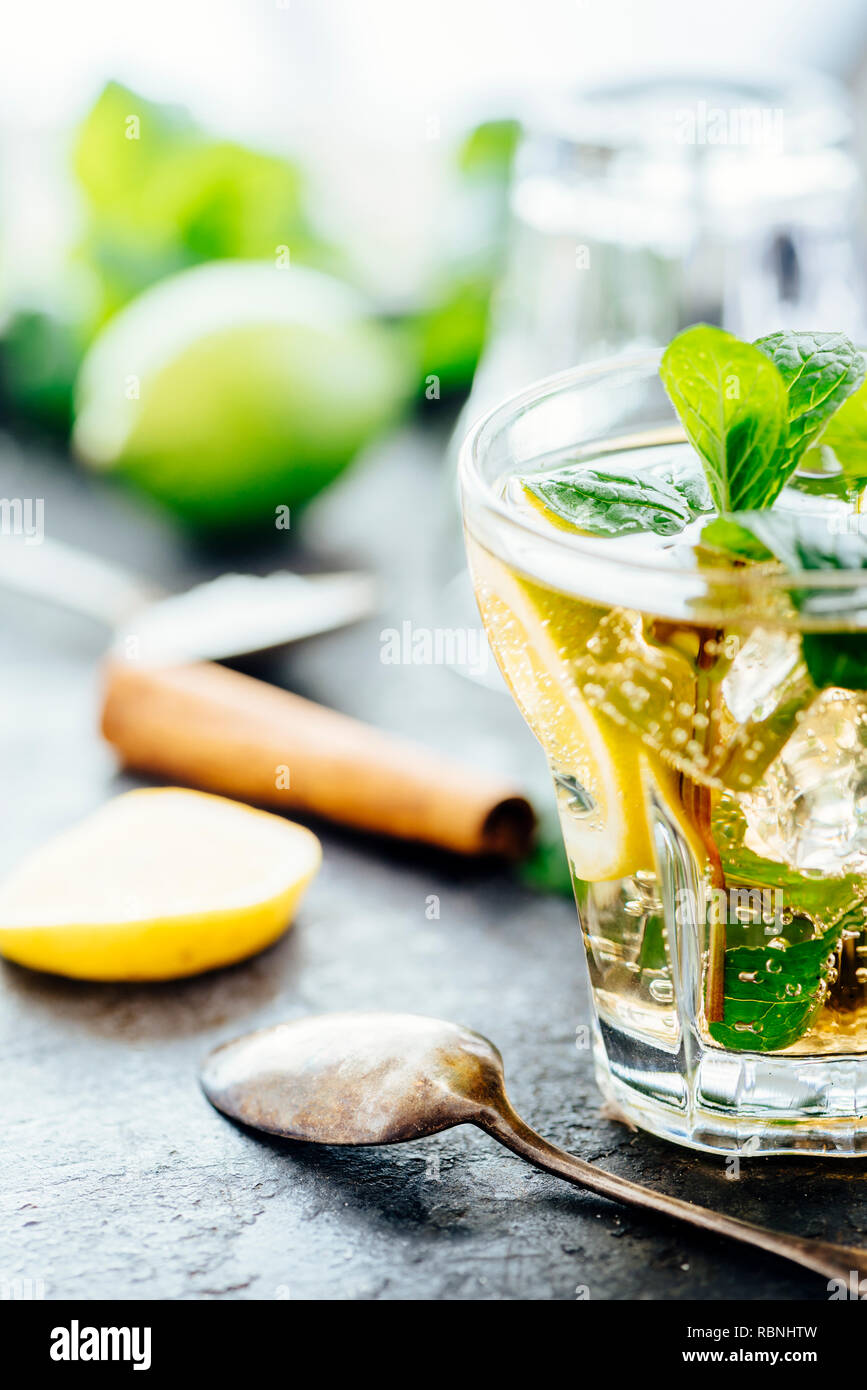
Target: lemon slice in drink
<point>157,884</point>
<point>538,635</point>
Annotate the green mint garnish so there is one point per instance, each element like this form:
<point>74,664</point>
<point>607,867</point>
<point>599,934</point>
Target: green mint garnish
<point>802,542</point>
<point>726,535</point>
<point>750,411</point>
<point>773,993</point>
<point>734,407</point>
<point>814,895</point>
<point>799,540</point>
<point>730,409</point>
<point>751,420</point>
<point>610,503</point>
<point>767,1009</point>
<point>836,659</point>
<point>820,371</point>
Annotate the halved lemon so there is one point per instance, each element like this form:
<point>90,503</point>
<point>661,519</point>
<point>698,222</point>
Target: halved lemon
<point>538,637</point>
<point>157,884</point>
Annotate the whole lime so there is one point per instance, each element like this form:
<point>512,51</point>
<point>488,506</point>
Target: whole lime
<point>236,388</point>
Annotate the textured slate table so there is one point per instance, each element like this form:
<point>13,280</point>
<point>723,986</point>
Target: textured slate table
<point>121,1182</point>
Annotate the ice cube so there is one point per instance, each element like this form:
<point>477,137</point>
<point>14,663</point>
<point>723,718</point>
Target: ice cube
<point>765,691</point>
<point>810,809</point>
<point>764,661</point>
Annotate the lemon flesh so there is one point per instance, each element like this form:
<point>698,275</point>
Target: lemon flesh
<point>157,884</point>
<point>540,638</point>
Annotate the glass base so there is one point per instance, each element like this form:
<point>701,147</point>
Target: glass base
<point>746,1104</point>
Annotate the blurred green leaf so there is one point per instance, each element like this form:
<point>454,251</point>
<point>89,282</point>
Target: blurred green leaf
<point>163,195</point>
<point>453,328</point>
<point>547,868</point>
<point>489,149</point>
<point>122,151</point>
<point>39,357</point>
<point>160,195</point>
<point>451,334</point>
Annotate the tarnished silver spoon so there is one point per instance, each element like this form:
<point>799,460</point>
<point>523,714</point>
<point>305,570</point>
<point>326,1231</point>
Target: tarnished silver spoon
<point>378,1078</point>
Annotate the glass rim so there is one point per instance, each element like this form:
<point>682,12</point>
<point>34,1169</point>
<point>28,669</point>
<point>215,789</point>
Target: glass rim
<point>511,407</point>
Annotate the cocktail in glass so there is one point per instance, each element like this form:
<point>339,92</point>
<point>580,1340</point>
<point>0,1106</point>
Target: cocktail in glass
<point>712,795</point>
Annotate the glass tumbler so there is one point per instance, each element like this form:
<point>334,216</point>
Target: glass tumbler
<point>712,795</point>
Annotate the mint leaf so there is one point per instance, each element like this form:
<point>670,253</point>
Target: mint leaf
<point>771,996</point>
<point>802,542</point>
<point>836,658</point>
<point>799,540</point>
<point>772,993</point>
<point>846,434</point>
<point>819,371</point>
<point>733,405</point>
<point>663,499</point>
<point>733,540</point>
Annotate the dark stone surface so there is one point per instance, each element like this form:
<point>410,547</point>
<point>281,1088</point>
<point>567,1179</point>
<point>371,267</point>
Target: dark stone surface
<point>120,1181</point>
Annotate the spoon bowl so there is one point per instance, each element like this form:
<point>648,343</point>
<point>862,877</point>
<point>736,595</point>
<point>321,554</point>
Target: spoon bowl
<point>355,1078</point>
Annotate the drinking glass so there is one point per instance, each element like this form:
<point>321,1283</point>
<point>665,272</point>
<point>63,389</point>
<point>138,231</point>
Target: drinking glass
<point>712,795</point>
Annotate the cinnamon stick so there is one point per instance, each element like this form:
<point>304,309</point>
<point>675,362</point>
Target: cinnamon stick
<point>214,728</point>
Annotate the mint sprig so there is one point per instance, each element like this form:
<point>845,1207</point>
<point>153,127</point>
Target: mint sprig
<point>820,372</point>
<point>772,993</point>
<point>751,411</point>
<point>765,1009</point>
<point>821,376</point>
<point>733,405</point>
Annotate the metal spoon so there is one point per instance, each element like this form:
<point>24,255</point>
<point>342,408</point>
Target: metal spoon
<point>375,1078</point>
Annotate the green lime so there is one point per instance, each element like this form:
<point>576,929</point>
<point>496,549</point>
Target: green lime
<point>236,388</point>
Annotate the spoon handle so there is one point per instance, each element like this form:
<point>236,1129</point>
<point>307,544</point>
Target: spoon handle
<point>834,1261</point>
<point>75,580</point>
